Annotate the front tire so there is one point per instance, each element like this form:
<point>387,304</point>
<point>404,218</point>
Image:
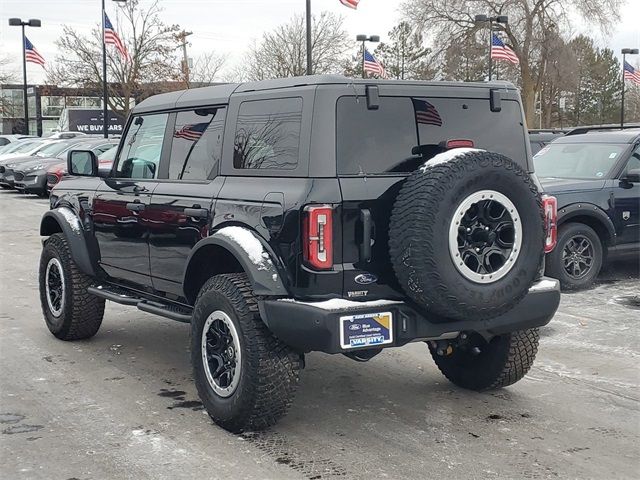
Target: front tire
<point>246,377</point>
<point>480,365</point>
<point>577,259</point>
<point>70,312</point>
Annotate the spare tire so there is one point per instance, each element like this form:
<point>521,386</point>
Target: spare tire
<point>466,234</point>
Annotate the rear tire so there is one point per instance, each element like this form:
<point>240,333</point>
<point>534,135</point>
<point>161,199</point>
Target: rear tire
<point>246,377</point>
<point>578,257</point>
<point>70,312</point>
<point>499,363</point>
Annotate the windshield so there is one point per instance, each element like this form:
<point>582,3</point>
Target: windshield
<point>588,161</point>
<point>23,147</point>
<point>53,149</point>
<point>109,154</point>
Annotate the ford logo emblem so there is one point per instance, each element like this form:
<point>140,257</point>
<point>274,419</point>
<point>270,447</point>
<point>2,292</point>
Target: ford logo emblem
<point>366,278</point>
<point>354,326</point>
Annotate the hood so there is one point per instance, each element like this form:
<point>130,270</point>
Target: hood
<point>15,158</point>
<point>42,163</point>
<point>569,185</point>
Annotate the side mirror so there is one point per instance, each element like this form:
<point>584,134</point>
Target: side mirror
<point>82,163</point>
<point>632,176</point>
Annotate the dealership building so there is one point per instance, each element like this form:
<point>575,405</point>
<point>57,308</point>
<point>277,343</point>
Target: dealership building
<point>48,103</point>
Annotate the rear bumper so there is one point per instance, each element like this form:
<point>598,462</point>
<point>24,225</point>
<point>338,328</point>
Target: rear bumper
<point>307,328</point>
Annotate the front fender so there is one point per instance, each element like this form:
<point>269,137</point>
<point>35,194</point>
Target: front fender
<point>588,210</point>
<point>64,219</point>
<point>254,255</point>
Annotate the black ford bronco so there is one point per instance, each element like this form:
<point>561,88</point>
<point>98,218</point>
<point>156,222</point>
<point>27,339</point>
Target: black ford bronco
<point>311,214</point>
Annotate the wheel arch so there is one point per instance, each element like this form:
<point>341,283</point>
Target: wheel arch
<point>221,253</point>
<point>64,220</point>
<point>591,215</point>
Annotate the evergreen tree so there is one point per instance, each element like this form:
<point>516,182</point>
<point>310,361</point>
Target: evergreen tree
<point>405,56</point>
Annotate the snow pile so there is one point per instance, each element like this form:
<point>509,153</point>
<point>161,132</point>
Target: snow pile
<point>341,304</point>
<point>250,244</point>
<point>71,218</point>
<point>447,157</point>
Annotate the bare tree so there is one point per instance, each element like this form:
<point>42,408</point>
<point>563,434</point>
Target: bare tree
<point>8,75</point>
<point>207,68</point>
<point>282,51</point>
<point>151,45</point>
<point>532,25</point>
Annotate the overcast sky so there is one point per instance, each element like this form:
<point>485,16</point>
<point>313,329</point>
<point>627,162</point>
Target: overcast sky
<point>228,26</point>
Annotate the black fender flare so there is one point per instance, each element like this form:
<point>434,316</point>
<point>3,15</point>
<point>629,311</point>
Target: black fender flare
<point>71,227</point>
<point>586,209</point>
<point>254,255</point>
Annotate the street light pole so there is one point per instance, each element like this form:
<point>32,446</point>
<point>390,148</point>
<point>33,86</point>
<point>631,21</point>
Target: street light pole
<point>363,39</point>
<point>15,22</point>
<point>625,51</point>
<point>24,83</point>
<point>309,64</point>
<point>105,95</point>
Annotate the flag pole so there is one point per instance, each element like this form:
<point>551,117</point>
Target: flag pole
<point>105,119</point>
<point>308,15</point>
<point>624,55</point>
<point>490,45</point>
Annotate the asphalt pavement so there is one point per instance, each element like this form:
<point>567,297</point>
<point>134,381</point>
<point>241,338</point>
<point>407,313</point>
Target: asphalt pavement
<point>122,405</point>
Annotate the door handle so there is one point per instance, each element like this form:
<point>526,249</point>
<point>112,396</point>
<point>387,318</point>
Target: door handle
<point>196,212</point>
<point>135,206</point>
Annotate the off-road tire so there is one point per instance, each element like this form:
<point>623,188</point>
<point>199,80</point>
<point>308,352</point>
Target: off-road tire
<point>82,312</point>
<point>269,373</point>
<point>555,264</point>
<point>500,363</point>
<point>419,236</point>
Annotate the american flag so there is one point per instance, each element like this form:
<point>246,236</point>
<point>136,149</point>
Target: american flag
<point>426,113</point>
<point>192,131</point>
<point>350,3</point>
<point>32,54</point>
<point>111,37</point>
<point>631,73</point>
<point>500,51</point>
<point>371,65</point>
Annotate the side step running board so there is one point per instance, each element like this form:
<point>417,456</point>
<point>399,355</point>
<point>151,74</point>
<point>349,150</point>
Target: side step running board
<point>118,296</point>
<point>180,314</point>
<point>169,311</point>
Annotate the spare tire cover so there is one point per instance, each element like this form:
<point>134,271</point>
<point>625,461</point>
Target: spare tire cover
<point>466,235</point>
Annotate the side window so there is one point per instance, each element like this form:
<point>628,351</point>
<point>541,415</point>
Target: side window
<point>268,134</point>
<point>634,161</point>
<point>197,143</point>
<point>142,146</point>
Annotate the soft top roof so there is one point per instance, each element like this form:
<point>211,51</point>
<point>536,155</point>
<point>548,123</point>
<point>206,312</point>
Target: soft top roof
<point>219,94</point>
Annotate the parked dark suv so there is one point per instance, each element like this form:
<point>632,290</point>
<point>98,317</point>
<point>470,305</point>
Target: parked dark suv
<point>595,175</point>
<point>311,214</point>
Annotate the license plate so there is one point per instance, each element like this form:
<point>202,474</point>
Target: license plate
<point>366,330</point>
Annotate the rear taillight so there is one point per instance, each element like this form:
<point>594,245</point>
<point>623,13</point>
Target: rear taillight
<point>550,208</point>
<point>317,236</point>
<point>459,143</point>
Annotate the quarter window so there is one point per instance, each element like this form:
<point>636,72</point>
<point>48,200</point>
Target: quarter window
<point>197,144</point>
<point>268,134</point>
<point>142,146</point>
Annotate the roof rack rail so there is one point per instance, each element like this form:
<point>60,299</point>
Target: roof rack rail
<point>592,128</point>
<point>549,130</point>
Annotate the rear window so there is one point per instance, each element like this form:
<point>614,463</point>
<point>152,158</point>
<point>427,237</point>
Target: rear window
<point>380,141</point>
